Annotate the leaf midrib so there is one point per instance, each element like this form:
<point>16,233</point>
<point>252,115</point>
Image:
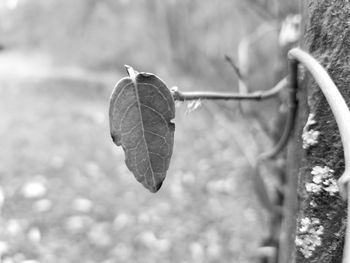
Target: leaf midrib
<point>134,81</point>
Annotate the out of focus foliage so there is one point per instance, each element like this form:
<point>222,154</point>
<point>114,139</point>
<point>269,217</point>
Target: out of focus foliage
<point>154,35</point>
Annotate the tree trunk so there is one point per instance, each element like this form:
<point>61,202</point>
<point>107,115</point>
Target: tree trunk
<point>316,215</point>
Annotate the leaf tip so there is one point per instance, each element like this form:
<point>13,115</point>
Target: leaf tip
<point>155,188</point>
<point>130,70</point>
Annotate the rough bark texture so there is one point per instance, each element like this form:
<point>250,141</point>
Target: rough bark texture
<point>321,216</point>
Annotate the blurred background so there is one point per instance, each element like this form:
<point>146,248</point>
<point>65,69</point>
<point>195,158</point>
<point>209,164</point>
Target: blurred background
<point>65,192</point>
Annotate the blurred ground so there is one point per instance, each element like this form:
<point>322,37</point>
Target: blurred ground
<point>68,196</point>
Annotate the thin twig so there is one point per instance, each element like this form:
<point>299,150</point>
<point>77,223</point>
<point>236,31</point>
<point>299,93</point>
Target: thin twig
<point>342,116</point>
<point>242,86</point>
<point>204,95</point>
<point>234,67</point>
<point>274,208</point>
<point>292,105</point>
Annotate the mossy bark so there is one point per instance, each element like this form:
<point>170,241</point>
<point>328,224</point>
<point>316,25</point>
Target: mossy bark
<point>327,38</point>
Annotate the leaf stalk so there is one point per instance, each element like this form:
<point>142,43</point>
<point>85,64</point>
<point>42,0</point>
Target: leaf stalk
<point>211,95</point>
<point>280,145</point>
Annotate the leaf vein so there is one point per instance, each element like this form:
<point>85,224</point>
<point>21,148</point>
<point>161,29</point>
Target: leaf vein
<point>131,129</point>
<point>143,132</point>
<point>125,112</point>
<point>157,89</point>
<point>154,111</point>
<point>156,134</point>
<point>121,91</point>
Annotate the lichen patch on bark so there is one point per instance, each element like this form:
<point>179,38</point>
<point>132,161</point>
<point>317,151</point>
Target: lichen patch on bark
<point>309,236</point>
<point>322,181</point>
<point>309,135</point>
<point>327,38</point>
